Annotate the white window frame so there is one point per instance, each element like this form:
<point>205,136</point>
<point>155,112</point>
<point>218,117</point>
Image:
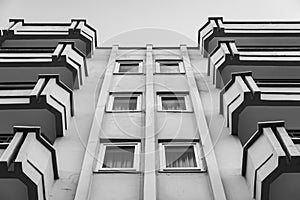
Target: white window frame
<point>111,100</point>
<point>136,157</point>
<point>197,151</point>
<point>186,96</point>
<point>119,62</point>
<point>180,65</point>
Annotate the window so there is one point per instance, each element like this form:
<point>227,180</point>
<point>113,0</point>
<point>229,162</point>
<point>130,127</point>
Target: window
<point>169,66</point>
<point>128,67</point>
<point>124,102</point>
<point>180,156</point>
<point>118,156</point>
<point>173,101</point>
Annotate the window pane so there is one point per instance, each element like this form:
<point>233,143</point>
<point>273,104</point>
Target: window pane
<point>169,68</point>
<point>125,103</point>
<point>118,157</point>
<point>180,156</point>
<point>129,67</point>
<point>173,103</point>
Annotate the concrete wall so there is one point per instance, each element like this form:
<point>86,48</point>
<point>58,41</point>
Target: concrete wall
<point>176,126</point>
<point>115,186</point>
<point>30,74</point>
<point>79,44</point>
<point>285,187</point>
<point>19,189</point>
<point>249,117</point>
<point>261,72</point>
<point>256,41</point>
<point>28,117</point>
<point>179,186</point>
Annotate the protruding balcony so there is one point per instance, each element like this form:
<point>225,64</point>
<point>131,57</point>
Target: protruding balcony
<point>271,64</point>
<point>247,34</point>
<point>30,35</point>
<point>244,102</point>
<point>271,162</point>
<point>47,103</point>
<point>28,166</point>
<point>24,65</point>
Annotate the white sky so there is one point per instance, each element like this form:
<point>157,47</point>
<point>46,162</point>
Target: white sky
<point>138,22</point>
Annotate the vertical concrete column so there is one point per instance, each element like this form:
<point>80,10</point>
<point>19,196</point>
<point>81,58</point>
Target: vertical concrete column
<point>205,139</point>
<point>149,188</point>
<point>90,155</point>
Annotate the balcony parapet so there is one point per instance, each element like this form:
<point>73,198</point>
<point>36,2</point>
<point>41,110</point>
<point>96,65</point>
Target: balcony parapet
<point>47,103</point>
<point>248,33</point>
<point>244,102</point>
<point>24,34</point>
<point>269,64</point>
<point>28,165</point>
<point>271,162</point>
<point>26,64</point>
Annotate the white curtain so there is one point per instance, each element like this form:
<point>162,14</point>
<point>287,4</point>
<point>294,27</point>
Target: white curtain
<point>119,157</point>
<point>180,157</point>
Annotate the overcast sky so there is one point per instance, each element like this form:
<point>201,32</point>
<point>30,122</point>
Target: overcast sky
<point>138,22</point>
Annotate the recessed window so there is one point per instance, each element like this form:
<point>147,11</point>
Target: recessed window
<point>169,66</point>
<point>118,156</point>
<point>128,67</point>
<point>180,156</point>
<point>124,102</point>
<point>173,102</point>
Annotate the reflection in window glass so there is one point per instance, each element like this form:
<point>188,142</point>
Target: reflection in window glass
<point>173,103</point>
<point>180,157</point>
<point>125,103</point>
<point>119,157</point>
<point>169,68</point>
<point>129,67</point>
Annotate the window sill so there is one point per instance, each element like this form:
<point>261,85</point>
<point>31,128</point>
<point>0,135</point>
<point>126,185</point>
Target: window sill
<point>182,171</point>
<point>123,111</point>
<point>175,111</point>
<point>169,73</point>
<point>124,73</point>
<point>116,172</point>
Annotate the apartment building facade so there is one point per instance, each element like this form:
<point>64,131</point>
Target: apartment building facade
<point>217,121</point>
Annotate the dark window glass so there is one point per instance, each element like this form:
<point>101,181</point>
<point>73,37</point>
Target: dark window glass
<point>129,67</point>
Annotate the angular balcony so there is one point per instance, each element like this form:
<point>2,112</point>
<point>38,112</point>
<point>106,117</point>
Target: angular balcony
<point>24,65</point>
<point>37,35</point>
<point>265,63</point>
<point>47,103</point>
<point>247,34</point>
<point>271,162</point>
<point>28,165</point>
<point>244,103</point>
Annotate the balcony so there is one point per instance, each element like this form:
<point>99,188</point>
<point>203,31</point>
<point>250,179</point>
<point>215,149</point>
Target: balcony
<point>244,103</point>
<point>24,65</point>
<point>47,103</point>
<point>247,34</point>
<point>265,63</point>
<point>28,164</point>
<point>37,35</point>
<point>271,162</point>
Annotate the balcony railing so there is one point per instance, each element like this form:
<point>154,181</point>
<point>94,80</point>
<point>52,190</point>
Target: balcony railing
<point>273,64</point>
<point>23,34</point>
<point>244,102</point>
<point>47,103</point>
<point>17,64</point>
<point>268,33</point>
<point>271,163</point>
<point>28,165</point>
